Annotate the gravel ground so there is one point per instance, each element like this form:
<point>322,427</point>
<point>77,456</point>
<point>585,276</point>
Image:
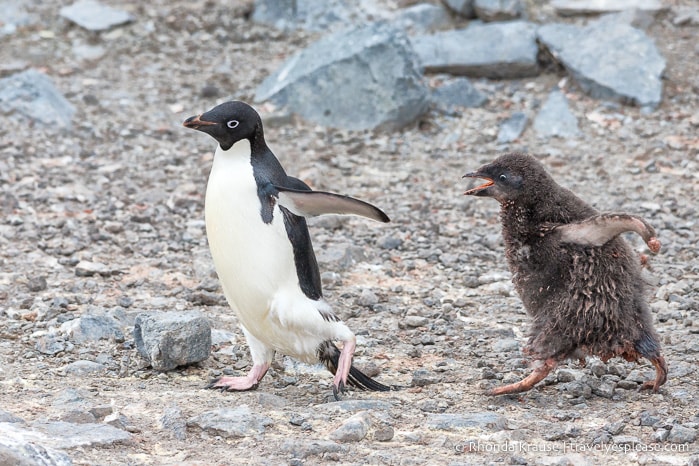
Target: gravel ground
<point>429,294</point>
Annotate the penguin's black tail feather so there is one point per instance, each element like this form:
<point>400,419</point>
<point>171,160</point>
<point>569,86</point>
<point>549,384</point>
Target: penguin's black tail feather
<point>329,355</point>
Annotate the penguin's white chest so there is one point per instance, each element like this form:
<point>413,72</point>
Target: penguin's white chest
<point>254,260</point>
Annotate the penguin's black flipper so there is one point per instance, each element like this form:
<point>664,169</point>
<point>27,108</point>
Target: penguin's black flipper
<point>329,355</point>
<point>312,203</point>
<point>599,229</point>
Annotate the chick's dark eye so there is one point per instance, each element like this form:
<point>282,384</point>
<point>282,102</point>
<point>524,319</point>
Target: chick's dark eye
<point>232,124</point>
<point>503,177</point>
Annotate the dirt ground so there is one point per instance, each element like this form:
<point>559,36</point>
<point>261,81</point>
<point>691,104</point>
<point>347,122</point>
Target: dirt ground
<point>429,295</point>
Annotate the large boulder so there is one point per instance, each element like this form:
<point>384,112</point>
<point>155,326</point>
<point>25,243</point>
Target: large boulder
<point>609,60</point>
<point>359,79</point>
<point>494,50</point>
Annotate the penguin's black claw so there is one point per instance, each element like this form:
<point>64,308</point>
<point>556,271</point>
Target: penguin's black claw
<point>338,390</point>
<point>212,383</point>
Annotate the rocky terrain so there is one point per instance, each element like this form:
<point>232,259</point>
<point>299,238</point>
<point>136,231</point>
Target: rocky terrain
<point>102,220</point>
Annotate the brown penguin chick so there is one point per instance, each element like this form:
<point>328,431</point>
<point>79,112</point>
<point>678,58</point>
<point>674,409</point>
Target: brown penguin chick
<point>579,281</point>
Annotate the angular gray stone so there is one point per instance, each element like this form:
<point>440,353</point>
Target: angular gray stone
<point>359,79</point>
<point>311,15</point>
<point>93,327</point>
<point>353,429</point>
<point>83,368</point>
<point>94,16</point>
<point>51,344</point>
<point>461,7</point>
<point>236,422</point>
<point>69,435</point>
<point>171,339</point>
<point>498,10</point>
<point>340,256</point>
<point>458,92</point>
<point>33,95</point>
<point>16,450</point>
<point>355,405</point>
<point>422,18</point>
<point>9,417</point>
<point>299,448</point>
<point>512,128</point>
<point>14,14</point>
<point>495,50</point>
<point>555,118</point>
<point>681,434</point>
<point>608,60</point>
<point>593,7</point>
<point>480,420</point>
<point>506,345</point>
<point>172,421</point>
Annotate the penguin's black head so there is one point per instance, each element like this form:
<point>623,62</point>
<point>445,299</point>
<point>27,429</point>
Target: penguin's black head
<point>228,123</point>
<point>511,177</point>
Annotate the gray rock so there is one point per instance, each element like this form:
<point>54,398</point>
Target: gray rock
<point>172,421</point>
<point>21,447</point>
<point>367,298</point>
<point>555,118</point>
<point>568,375</point>
<point>88,269</point>
<point>83,368</point>
<point>647,419</point>
<point>355,405</point>
<point>626,440</point>
<point>359,79</point>
<point>353,429</point>
<point>615,428</point>
<point>506,345</point>
<point>688,16</point>
<point>661,435</point>
<point>93,327</point>
<point>415,321</point>
<point>14,14</point>
<point>50,344</point>
<point>384,434</point>
<point>681,434</point>
<point>593,7</point>
<point>9,417</point>
<point>171,339</point>
<point>236,422</point>
<point>311,15</point>
<point>498,10</point>
<point>77,416</point>
<point>495,50</point>
<point>340,256</point>
<point>101,412</point>
<point>33,95</point>
<point>68,435</point>
<point>458,92</point>
<point>94,16</point>
<point>480,420</point>
<point>304,449</point>
<point>88,52</point>
<point>605,388</point>
<point>390,242</point>
<point>512,128</point>
<point>422,18</point>
<point>608,60</point>
<point>423,377</point>
<point>461,7</point>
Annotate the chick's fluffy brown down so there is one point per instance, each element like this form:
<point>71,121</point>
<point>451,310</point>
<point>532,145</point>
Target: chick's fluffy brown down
<point>578,279</point>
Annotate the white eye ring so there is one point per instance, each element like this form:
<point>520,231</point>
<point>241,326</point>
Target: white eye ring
<point>232,124</point>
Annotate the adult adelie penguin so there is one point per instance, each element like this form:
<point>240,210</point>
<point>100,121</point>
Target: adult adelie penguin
<point>579,281</point>
<point>263,254</point>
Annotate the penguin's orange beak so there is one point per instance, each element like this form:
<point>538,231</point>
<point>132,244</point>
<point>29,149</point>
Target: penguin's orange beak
<point>475,191</point>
